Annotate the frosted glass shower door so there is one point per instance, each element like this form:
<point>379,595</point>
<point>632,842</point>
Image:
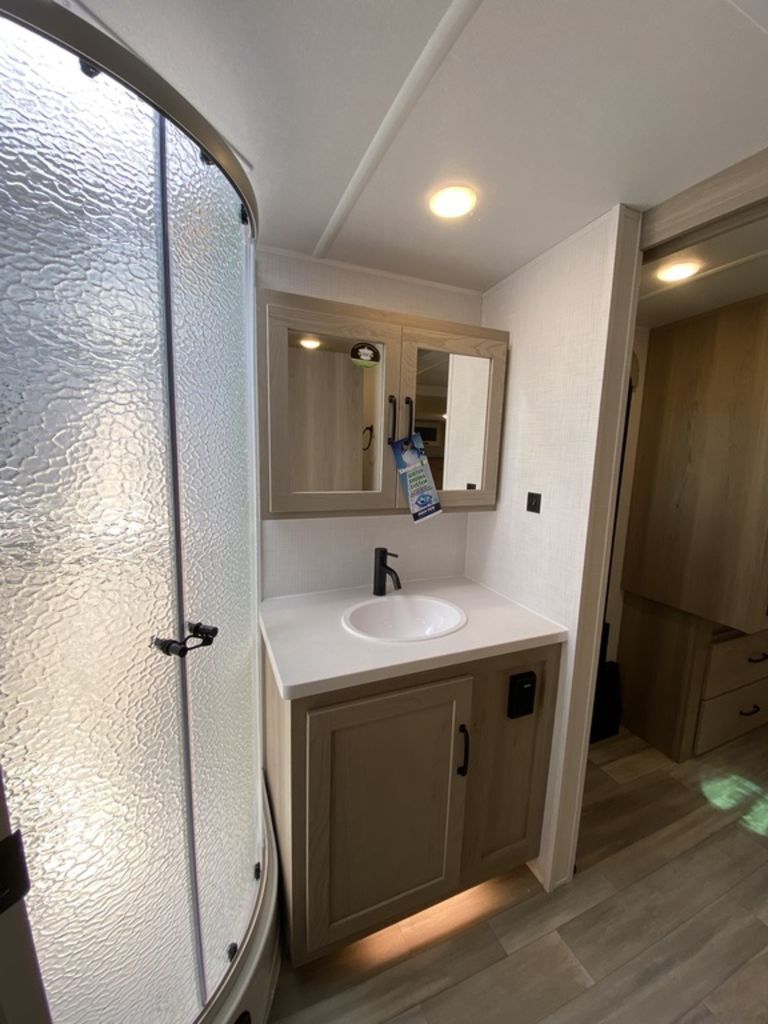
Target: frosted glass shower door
<point>90,715</point>
<point>211,289</point>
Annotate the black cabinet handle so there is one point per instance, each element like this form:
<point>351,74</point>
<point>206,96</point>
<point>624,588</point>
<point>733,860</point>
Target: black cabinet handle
<point>464,766</point>
<point>409,403</point>
<point>758,659</point>
<point>393,422</point>
<point>748,714</point>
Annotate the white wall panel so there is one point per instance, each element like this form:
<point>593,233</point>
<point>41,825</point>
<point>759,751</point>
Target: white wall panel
<point>342,282</point>
<point>303,555</point>
<point>558,310</point>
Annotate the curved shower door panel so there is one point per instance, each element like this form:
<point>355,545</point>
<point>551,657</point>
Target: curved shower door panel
<point>211,292</point>
<point>90,724</point>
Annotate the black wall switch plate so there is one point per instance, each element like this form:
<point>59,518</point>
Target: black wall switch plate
<point>534,502</point>
<point>522,695</point>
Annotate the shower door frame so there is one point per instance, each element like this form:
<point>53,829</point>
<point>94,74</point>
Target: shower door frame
<point>249,984</point>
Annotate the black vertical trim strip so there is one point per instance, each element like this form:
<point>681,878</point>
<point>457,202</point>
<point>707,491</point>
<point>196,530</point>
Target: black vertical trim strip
<point>179,557</point>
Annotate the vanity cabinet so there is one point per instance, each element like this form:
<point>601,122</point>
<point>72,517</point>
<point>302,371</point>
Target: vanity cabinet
<point>343,381</point>
<point>394,795</point>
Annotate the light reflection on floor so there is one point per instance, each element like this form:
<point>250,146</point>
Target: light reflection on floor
<point>730,792</point>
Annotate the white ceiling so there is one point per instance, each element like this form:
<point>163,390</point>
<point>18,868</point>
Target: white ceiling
<point>555,109</point>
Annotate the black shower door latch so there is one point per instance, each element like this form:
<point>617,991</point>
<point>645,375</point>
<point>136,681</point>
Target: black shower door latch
<point>205,635</point>
<point>14,877</point>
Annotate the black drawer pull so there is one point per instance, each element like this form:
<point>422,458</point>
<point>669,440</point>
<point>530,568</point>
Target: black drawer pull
<point>748,714</point>
<point>758,659</point>
<point>464,767</point>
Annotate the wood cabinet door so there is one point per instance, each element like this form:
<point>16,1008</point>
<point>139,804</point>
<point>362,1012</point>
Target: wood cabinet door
<point>452,391</point>
<point>385,807</point>
<point>510,762</point>
<point>330,416</point>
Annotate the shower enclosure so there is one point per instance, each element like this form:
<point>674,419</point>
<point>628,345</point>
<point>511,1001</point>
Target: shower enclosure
<point>128,517</point>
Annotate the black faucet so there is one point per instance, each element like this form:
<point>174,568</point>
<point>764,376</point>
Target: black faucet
<point>381,570</point>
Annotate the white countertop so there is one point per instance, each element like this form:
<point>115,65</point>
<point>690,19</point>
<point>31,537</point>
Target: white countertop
<point>311,652</point>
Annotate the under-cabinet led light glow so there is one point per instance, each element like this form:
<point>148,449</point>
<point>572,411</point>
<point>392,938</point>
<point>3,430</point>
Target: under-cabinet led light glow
<point>310,343</point>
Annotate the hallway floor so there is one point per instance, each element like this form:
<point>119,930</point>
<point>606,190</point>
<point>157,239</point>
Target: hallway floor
<point>666,921</point>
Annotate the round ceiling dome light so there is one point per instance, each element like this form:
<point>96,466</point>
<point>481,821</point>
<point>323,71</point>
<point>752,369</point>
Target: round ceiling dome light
<point>678,271</point>
<point>310,342</point>
<point>453,201</point>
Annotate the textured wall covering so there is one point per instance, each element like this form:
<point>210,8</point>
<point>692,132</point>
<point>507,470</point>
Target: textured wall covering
<point>558,311</point>
<point>327,279</point>
<point>301,555</point>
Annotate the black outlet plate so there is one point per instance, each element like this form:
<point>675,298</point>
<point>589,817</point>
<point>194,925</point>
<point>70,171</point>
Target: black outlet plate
<point>522,695</point>
<point>533,504</point>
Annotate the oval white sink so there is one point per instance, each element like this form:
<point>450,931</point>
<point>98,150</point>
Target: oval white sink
<point>403,618</point>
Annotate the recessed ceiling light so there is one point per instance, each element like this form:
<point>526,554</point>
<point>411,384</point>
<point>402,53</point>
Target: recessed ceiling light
<point>454,201</point>
<point>310,342</point>
<point>678,271</point>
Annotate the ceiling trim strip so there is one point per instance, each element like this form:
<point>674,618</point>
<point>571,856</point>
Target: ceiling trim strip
<point>728,192</point>
<point>439,44</point>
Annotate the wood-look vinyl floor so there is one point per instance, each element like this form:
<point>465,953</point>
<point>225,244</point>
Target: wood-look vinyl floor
<point>665,922</point>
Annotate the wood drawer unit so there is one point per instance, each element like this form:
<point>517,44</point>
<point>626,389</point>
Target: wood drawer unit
<point>732,714</point>
<point>676,669</point>
<point>736,662</point>
<point>393,795</point>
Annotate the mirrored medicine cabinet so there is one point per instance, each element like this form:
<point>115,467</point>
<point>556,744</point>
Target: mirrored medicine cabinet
<point>343,381</point>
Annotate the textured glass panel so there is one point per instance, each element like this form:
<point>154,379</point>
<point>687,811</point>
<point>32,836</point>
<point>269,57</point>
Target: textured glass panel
<point>89,714</point>
<point>211,351</point>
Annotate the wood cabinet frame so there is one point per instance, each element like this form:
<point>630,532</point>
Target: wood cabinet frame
<point>496,811</point>
<point>470,344</point>
<point>403,334</point>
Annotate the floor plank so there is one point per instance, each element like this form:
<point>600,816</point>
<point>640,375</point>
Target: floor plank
<point>745,757</point>
<point>414,1016</point>
<point>752,894</point>
<point>616,930</point>
<point>662,984</point>
<point>544,913</point>
<point>598,785</point>
<point>408,983</point>
<point>743,998</point>
<point>653,851</point>
<point>698,1015</point>
<point>616,747</point>
<point>535,980</point>
<point>477,904</point>
<point>322,979</point>
<point>641,808</point>
<point>635,766</point>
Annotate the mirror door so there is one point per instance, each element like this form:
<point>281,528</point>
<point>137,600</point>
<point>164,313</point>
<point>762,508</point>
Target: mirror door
<point>333,402</point>
<point>452,394</point>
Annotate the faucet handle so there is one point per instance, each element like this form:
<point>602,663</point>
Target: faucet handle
<point>391,554</point>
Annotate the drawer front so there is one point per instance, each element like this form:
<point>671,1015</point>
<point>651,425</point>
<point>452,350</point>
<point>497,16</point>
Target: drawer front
<point>732,714</point>
<point>734,663</point>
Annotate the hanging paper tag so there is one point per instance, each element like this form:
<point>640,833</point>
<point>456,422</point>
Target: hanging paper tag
<point>416,477</point>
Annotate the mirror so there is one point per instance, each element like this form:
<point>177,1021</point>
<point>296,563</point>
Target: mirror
<point>336,414</point>
<point>452,415</point>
